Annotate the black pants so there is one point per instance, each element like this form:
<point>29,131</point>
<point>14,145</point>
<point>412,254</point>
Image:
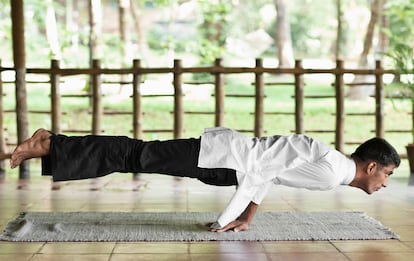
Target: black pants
<point>82,157</point>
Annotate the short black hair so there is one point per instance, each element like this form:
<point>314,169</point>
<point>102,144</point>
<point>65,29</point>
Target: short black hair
<point>378,150</point>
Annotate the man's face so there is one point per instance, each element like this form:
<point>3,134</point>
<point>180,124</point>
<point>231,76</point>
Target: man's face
<point>377,177</point>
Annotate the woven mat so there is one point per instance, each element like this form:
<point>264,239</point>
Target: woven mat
<point>182,226</point>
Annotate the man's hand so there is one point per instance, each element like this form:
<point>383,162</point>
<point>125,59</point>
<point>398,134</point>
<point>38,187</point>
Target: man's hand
<point>242,222</point>
<point>236,226</point>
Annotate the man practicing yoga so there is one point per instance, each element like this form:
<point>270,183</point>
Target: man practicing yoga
<point>221,157</point>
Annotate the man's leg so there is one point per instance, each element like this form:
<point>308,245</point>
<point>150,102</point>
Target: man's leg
<point>180,158</point>
<point>76,157</point>
<point>91,156</point>
<point>82,157</point>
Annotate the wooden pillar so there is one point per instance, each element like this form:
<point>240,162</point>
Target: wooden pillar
<point>55,97</point>
<point>136,106</point>
<point>19,57</point>
<point>178,100</point>
<point>259,97</point>
<point>2,137</point>
<point>340,106</point>
<point>97,110</point>
<point>219,94</point>
<point>136,100</point>
<point>379,100</point>
<point>299,97</point>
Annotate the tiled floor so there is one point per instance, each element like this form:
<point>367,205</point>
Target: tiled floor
<point>393,206</point>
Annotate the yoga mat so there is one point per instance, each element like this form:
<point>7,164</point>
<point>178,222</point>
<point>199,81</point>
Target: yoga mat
<point>183,226</point>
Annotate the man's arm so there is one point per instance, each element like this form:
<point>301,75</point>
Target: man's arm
<point>242,222</point>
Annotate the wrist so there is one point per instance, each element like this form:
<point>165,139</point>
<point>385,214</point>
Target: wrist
<point>248,214</point>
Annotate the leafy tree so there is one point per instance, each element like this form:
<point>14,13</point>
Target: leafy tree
<point>218,20</point>
<point>213,29</point>
<point>401,22</point>
<point>401,46</point>
<point>246,17</point>
<point>311,35</point>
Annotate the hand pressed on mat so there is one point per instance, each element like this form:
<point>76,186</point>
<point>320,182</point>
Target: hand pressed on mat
<point>242,222</point>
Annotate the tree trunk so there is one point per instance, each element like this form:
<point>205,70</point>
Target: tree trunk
<point>383,37</point>
<point>339,43</point>
<point>95,23</point>
<point>369,36</point>
<point>284,40</point>
<point>142,40</point>
<point>364,91</point>
<point>52,32</point>
<point>95,20</point>
<point>123,6</point>
<point>72,20</point>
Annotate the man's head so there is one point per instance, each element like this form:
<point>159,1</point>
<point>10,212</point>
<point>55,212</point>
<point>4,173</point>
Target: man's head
<point>376,160</point>
<point>378,150</point>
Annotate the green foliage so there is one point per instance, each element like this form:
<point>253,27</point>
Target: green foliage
<point>246,17</point>
<point>401,19</point>
<point>162,39</point>
<point>310,35</point>
<point>401,35</point>
<point>402,55</point>
<point>213,28</point>
<point>218,20</point>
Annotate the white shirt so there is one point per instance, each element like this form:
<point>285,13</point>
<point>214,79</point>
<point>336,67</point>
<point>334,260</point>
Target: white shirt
<point>295,160</point>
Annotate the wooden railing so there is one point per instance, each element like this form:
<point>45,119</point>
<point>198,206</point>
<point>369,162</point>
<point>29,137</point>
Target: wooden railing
<point>218,71</point>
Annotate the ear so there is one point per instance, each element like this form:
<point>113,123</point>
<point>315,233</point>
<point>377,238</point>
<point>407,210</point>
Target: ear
<point>371,168</point>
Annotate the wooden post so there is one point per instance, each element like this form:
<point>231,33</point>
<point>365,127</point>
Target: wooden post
<point>178,100</point>
<point>97,110</point>
<point>219,94</point>
<point>299,97</point>
<point>2,138</point>
<point>379,100</point>
<point>136,100</point>
<point>136,104</point>
<point>55,97</point>
<point>340,107</point>
<point>19,57</point>
<point>259,97</point>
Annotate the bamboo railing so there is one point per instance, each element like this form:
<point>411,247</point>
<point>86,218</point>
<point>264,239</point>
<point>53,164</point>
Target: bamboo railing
<point>218,70</point>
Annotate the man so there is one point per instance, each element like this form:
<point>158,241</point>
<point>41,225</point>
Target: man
<point>221,157</point>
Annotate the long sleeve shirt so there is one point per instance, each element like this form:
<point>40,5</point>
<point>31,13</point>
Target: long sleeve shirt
<point>295,160</point>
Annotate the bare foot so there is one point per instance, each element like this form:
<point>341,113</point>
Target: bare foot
<point>36,146</point>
